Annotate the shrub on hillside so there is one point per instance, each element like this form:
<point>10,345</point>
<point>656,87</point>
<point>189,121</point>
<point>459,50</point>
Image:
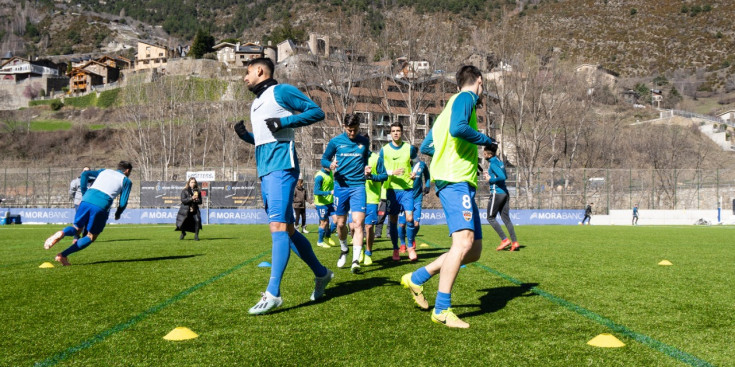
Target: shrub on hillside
<point>108,98</point>
<point>83,101</point>
<point>56,105</point>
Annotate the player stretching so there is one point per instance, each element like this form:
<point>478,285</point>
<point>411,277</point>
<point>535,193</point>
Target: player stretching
<point>94,209</point>
<point>419,190</point>
<point>452,142</point>
<point>499,201</point>
<point>324,202</point>
<point>347,156</point>
<point>273,120</point>
<point>396,158</point>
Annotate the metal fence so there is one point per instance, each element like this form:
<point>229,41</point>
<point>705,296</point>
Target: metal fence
<point>538,189</point>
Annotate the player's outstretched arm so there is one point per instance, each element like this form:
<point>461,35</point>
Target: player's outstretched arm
<point>292,99</point>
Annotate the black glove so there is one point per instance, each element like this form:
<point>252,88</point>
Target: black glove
<point>426,190</point>
<point>240,128</point>
<point>273,124</point>
<point>117,214</point>
<point>492,146</point>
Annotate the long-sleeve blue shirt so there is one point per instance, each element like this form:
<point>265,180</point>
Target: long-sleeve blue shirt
<point>281,154</point>
<point>352,157</point>
<point>107,185</point>
<point>318,181</point>
<point>497,176</point>
<point>422,175</point>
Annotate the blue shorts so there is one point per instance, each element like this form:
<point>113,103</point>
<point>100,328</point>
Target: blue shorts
<point>458,201</point>
<point>371,214</point>
<point>416,212</point>
<point>92,217</point>
<point>277,188</point>
<point>400,200</point>
<point>324,211</point>
<point>349,198</point>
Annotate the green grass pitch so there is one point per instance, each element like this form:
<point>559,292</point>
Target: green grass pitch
<point>535,307</point>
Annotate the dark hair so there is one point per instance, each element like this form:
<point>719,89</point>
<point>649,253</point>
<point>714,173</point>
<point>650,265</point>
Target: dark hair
<point>264,62</point>
<point>123,165</point>
<point>352,119</point>
<point>396,124</point>
<point>467,74</point>
<point>196,186</point>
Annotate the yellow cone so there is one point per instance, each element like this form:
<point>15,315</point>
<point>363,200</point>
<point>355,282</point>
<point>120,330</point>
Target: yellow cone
<point>606,340</point>
<point>181,333</point>
<point>46,265</point>
<point>665,262</point>
<point>424,245</point>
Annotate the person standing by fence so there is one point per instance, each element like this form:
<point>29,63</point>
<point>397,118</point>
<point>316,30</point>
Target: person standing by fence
<point>299,204</point>
<point>189,218</point>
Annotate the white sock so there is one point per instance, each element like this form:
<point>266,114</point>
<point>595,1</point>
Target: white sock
<point>356,252</point>
<point>343,245</point>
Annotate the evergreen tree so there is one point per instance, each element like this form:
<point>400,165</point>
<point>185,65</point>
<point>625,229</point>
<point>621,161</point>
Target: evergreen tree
<point>203,43</point>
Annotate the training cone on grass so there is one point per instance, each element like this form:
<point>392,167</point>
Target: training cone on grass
<point>46,265</point>
<point>423,245</point>
<point>181,333</point>
<point>264,264</point>
<point>665,262</point>
<point>606,340</point>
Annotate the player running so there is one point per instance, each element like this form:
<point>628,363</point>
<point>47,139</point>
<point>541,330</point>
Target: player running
<point>373,190</point>
<point>347,156</point>
<point>95,207</point>
<point>324,202</point>
<point>421,186</point>
<point>396,157</point>
<point>273,120</point>
<point>452,142</point>
<point>499,201</point>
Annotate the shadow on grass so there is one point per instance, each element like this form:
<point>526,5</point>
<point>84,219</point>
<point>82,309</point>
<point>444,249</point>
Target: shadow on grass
<point>160,258</point>
<point>496,299</point>
<point>426,255</point>
<point>343,289</point>
<point>188,239</point>
<point>127,240</point>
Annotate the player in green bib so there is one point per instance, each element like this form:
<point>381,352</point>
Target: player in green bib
<point>373,191</point>
<point>396,157</point>
<point>324,202</point>
<point>452,142</point>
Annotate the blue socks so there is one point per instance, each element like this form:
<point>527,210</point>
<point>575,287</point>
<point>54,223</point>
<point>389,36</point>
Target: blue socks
<point>70,231</point>
<point>368,253</point>
<point>302,248</point>
<point>321,234</point>
<point>443,302</point>
<point>411,233</point>
<point>393,232</point>
<point>420,276</point>
<point>80,245</point>
<point>332,228</point>
<point>402,234</point>
<point>280,254</point>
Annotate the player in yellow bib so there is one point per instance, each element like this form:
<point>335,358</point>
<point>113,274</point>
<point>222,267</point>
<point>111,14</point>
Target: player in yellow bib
<point>324,202</point>
<point>396,157</point>
<point>452,142</point>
